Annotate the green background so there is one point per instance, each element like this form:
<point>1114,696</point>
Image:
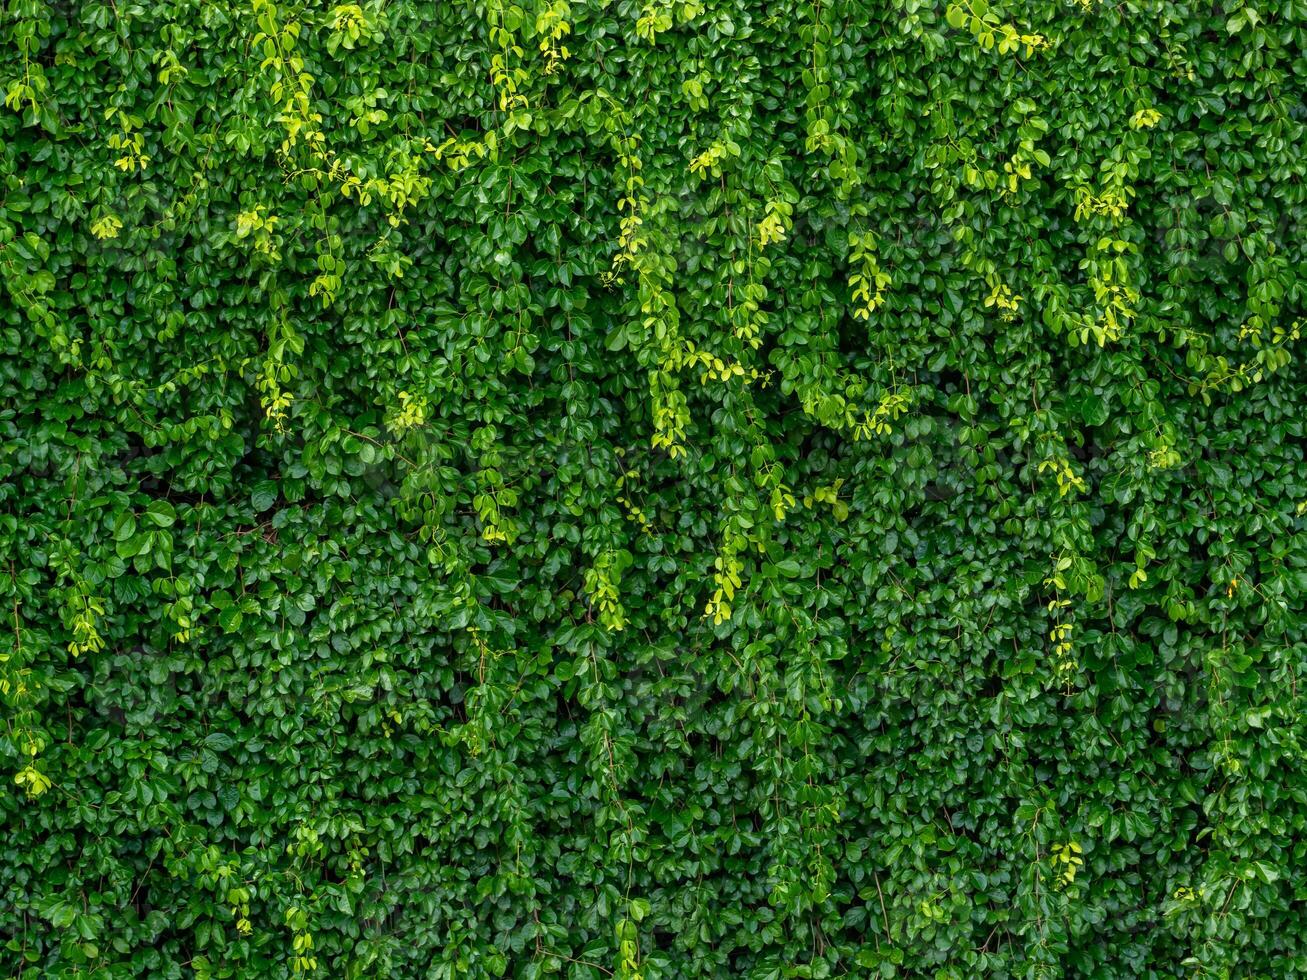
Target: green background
<point>654,490</point>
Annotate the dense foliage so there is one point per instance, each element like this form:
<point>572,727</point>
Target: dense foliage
<point>686,488</point>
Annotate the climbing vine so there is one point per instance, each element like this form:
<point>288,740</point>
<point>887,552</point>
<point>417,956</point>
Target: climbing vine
<point>673,488</point>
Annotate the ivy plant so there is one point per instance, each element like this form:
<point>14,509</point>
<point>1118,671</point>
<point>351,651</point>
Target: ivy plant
<point>653,489</point>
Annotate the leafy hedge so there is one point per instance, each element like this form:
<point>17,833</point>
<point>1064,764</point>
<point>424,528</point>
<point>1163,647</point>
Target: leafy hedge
<point>674,489</point>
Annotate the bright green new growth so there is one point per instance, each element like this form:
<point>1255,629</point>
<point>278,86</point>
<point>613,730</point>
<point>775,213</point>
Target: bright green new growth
<point>665,489</point>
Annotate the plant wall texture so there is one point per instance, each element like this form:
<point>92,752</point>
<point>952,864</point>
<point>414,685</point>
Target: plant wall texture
<point>669,489</point>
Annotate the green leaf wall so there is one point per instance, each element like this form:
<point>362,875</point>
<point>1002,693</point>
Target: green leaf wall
<point>681,489</point>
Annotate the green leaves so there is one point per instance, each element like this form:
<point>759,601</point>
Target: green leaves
<point>160,513</point>
<point>664,490</point>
